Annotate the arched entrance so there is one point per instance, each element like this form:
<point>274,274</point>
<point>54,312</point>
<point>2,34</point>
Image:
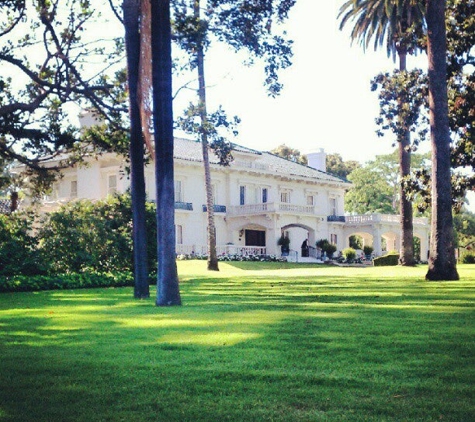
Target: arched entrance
<point>299,234</point>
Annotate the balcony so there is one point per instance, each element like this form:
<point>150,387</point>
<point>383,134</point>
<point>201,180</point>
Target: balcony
<point>336,218</point>
<point>270,207</point>
<point>187,206</point>
<point>216,208</point>
<point>358,220</point>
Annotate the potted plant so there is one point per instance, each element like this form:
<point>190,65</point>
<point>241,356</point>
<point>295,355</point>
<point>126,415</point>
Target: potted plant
<point>330,249</point>
<point>368,250</point>
<point>349,254</point>
<point>284,243</point>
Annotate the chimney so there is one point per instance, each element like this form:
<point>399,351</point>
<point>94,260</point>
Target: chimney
<point>317,160</point>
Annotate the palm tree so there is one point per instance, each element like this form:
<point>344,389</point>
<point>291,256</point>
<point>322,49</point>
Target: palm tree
<point>442,264</point>
<point>394,23</point>
<point>132,42</point>
<point>200,64</point>
<point>168,292</point>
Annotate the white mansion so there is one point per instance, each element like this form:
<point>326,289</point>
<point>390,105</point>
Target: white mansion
<point>257,198</point>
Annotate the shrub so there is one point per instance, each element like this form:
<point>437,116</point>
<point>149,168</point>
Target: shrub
<point>386,260</point>
<point>349,254</point>
<point>19,253</point>
<point>21,283</point>
<point>467,257</point>
<point>86,236</point>
<point>368,250</point>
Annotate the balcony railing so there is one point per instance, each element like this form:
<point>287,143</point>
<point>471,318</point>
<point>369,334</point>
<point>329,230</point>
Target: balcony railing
<point>270,207</point>
<point>221,250</point>
<point>187,206</point>
<point>216,208</point>
<point>336,218</point>
<point>380,218</point>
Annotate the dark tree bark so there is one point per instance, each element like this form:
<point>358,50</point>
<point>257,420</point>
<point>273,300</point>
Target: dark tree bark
<point>131,10</point>
<point>442,264</point>
<point>168,292</point>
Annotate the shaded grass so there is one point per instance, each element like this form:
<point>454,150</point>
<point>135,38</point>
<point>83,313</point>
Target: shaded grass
<point>253,342</point>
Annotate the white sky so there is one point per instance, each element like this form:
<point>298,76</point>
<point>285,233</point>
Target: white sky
<point>326,101</point>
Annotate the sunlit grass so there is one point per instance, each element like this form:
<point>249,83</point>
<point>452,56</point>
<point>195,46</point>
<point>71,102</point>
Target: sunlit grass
<point>252,342</point>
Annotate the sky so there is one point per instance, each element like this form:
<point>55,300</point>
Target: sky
<point>326,101</point>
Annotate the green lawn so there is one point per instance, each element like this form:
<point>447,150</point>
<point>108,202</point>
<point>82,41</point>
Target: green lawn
<point>254,342</point>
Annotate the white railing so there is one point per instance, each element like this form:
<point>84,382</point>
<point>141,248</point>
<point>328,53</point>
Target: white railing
<point>270,207</point>
<point>379,218</point>
<point>221,250</point>
<point>298,209</point>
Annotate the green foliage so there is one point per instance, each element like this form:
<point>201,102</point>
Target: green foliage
<point>356,242</point>
<point>326,246</point>
<point>368,250</point>
<point>376,185</point>
<point>22,283</point>
<point>403,100</point>
<point>349,253</point>
<point>370,193</point>
<point>468,257</point>
<point>336,166</point>
<point>86,236</point>
<point>290,154</point>
<point>390,259</point>
<point>45,44</point>
<point>18,248</point>
<point>284,241</point>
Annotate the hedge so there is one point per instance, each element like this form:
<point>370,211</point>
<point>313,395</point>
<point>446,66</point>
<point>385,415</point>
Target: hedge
<point>21,283</point>
<point>386,260</point>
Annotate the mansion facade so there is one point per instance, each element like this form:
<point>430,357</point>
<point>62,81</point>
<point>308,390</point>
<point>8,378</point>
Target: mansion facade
<point>257,198</point>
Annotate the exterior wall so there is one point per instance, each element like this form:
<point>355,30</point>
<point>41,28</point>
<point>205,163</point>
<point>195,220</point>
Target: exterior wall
<point>273,203</point>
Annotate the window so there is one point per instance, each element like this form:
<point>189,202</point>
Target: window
<point>333,239</point>
<point>255,238</point>
<point>310,200</point>
<point>73,189</point>
<point>179,191</point>
<point>112,184</point>
<point>242,195</point>
<point>333,206</point>
<point>264,195</point>
<point>285,197</point>
<point>179,234</point>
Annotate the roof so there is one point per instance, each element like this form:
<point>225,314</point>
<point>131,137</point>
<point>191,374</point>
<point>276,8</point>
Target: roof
<point>190,150</point>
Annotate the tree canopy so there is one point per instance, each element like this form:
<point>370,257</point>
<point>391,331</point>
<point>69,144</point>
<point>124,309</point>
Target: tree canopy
<point>51,66</point>
<point>289,153</point>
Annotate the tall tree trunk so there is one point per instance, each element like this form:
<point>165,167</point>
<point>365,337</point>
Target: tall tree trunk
<point>137,175</point>
<point>442,265</point>
<point>406,254</point>
<point>168,292</point>
<point>212,257</point>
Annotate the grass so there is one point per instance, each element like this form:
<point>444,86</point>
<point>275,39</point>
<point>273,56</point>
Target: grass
<point>254,342</point>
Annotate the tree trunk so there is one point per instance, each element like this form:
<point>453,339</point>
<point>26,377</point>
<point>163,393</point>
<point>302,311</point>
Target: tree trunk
<point>137,175</point>
<point>168,292</point>
<point>442,265</point>
<point>406,254</point>
<point>13,201</point>
<point>212,256</point>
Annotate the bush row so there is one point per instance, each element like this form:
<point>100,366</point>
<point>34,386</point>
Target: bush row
<point>79,237</point>
<point>467,257</point>
<point>21,283</point>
